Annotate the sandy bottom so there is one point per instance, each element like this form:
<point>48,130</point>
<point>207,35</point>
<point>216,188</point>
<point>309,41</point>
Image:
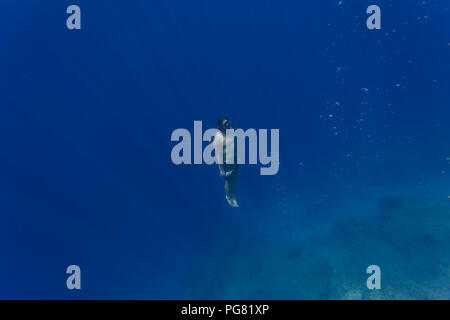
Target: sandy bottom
<point>405,231</point>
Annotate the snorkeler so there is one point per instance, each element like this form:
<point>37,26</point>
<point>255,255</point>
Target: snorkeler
<point>226,158</point>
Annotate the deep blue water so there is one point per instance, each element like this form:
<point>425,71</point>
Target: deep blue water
<point>86,175</point>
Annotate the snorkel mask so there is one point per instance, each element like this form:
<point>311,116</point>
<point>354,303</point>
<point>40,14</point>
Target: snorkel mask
<point>228,124</point>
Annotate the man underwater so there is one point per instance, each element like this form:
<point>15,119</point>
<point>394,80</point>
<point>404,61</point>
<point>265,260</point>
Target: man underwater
<point>226,158</point>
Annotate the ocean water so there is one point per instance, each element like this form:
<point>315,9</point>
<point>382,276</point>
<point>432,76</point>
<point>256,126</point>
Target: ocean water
<point>87,178</point>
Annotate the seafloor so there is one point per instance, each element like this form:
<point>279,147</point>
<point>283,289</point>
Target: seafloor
<point>403,230</point>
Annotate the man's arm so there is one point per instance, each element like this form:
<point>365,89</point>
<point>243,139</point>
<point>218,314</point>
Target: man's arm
<point>219,149</point>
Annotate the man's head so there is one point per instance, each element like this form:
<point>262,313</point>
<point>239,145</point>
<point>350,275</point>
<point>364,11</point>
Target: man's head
<point>223,123</point>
